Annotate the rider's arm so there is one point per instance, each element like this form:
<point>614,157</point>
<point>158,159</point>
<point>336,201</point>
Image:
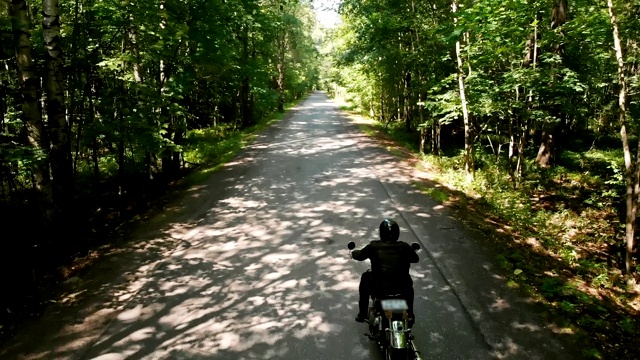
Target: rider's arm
<point>412,255</point>
<point>361,255</point>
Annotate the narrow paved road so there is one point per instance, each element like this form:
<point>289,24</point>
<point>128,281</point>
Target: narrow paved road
<point>253,265</point>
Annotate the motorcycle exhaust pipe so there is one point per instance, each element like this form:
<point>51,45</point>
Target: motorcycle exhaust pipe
<point>416,352</point>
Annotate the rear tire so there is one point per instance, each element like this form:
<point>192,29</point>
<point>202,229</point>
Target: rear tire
<point>396,354</point>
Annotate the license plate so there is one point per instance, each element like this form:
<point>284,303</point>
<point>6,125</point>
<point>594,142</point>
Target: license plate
<point>394,305</point>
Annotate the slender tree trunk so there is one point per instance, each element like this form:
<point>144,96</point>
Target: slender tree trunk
<point>399,90</point>
<point>521,146</point>
<point>118,116</point>
<point>424,133</point>
<point>135,50</point>
<point>515,142</point>
<point>281,70</point>
<point>61,165</point>
<point>34,126</point>
<point>468,136</point>
<point>178,136</point>
<point>165,117</point>
<point>245,87</point>
<point>632,174</point>
<point>94,142</point>
<point>3,98</point>
<point>136,67</point>
<point>546,152</point>
<point>438,138</point>
<point>372,105</point>
<point>512,148</point>
<point>407,101</point>
<point>381,102</point>
<point>75,80</point>
<point>79,134</point>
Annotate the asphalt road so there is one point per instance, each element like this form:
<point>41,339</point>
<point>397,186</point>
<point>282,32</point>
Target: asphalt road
<point>253,264</point>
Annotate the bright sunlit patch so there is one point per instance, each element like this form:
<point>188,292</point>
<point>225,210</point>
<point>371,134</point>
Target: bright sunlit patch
<point>279,257</point>
<point>228,340</point>
<point>272,276</point>
<point>142,334</point>
<point>112,356</point>
<point>256,300</point>
<point>289,284</point>
<point>131,314</point>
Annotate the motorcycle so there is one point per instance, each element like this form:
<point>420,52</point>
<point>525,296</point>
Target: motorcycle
<point>389,324</point>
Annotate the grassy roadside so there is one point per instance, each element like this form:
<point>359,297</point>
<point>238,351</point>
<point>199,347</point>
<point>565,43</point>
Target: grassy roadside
<point>555,236</point>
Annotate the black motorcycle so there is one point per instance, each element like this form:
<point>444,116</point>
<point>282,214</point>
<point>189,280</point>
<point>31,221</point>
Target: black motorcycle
<point>389,324</point>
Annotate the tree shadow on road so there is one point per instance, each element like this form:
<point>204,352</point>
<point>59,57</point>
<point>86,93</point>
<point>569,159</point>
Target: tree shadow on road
<point>252,264</point>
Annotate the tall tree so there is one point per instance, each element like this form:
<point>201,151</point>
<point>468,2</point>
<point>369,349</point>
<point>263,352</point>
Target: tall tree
<point>632,170</point>
<point>61,165</point>
<point>546,152</point>
<point>34,126</point>
<point>468,136</point>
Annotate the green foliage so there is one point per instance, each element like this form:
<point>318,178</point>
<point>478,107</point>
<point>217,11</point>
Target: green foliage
<point>212,145</point>
<point>140,77</point>
<point>433,192</point>
<point>592,353</point>
<point>568,209</point>
<point>522,77</point>
<point>551,286</point>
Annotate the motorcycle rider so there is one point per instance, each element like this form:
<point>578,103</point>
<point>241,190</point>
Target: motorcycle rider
<point>389,272</point>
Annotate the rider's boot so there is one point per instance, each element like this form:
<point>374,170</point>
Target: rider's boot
<point>363,307</point>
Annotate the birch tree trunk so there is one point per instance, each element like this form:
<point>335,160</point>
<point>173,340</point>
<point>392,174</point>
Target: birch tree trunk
<point>32,117</point>
<point>245,87</point>
<point>468,137</point>
<point>281,42</point>
<point>61,165</point>
<point>281,69</point>
<point>632,170</point>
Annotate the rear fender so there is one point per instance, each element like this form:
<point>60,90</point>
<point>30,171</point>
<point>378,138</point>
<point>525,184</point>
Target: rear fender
<point>397,335</point>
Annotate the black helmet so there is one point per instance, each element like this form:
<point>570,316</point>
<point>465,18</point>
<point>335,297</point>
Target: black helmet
<point>389,230</point>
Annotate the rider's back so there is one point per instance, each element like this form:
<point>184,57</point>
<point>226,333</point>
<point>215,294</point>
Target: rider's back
<point>390,262</point>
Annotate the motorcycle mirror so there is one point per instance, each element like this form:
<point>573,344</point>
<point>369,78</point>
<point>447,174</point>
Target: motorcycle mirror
<point>415,246</point>
<point>351,245</point>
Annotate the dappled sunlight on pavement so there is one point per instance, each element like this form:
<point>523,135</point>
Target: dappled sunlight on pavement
<point>253,264</point>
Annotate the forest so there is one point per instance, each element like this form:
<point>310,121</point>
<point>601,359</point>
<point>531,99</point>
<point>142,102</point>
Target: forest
<point>527,110</point>
<point>105,104</point>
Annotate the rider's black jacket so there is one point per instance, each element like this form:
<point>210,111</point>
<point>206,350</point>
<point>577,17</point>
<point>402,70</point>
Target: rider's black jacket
<point>390,262</point>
